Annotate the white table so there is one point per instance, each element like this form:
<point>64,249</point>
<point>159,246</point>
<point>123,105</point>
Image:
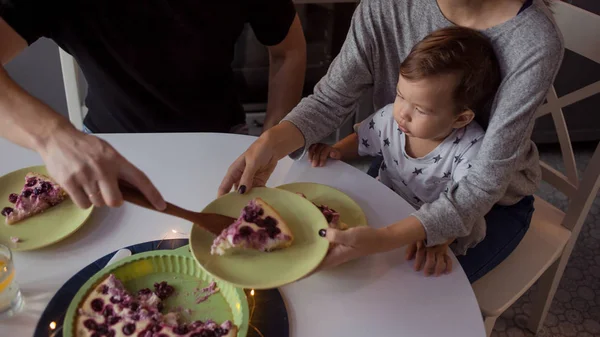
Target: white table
<point>376,296</point>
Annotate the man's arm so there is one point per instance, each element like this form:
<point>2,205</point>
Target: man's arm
<point>286,74</point>
<point>348,77</point>
<point>87,167</point>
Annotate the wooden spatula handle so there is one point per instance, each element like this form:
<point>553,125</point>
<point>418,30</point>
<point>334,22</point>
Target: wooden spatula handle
<point>135,196</point>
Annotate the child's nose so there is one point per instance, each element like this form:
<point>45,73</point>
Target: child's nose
<point>405,112</point>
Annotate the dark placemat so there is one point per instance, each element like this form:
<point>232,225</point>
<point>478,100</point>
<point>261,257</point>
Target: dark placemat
<point>268,315</point>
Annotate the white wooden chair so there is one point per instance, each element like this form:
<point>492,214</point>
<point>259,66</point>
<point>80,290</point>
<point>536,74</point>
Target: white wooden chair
<point>71,74</point>
<point>545,249</point>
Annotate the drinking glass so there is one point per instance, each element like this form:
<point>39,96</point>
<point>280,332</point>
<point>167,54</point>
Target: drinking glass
<point>11,300</point>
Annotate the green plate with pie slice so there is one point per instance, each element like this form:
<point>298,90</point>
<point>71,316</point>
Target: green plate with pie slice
<point>350,212</point>
<point>42,229</point>
<point>179,269</point>
<point>261,270</point>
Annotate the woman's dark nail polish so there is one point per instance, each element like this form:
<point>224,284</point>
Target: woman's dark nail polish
<point>242,189</point>
<point>322,232</point>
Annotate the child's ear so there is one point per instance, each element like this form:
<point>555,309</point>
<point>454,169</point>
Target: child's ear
<point>463,118</point>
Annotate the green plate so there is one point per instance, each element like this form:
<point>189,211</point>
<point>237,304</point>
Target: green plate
<point>260,270</point>
<point>43,229</point>
<point>180,270</point>
<point>350,211</point>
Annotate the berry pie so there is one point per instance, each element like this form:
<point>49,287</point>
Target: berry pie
<point>110,310</point>
<point>259,227</point>
<point>331,215</point>
<point>39,193</point>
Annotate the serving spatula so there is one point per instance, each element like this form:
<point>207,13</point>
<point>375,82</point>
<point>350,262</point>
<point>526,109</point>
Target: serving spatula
<point>212,222</point>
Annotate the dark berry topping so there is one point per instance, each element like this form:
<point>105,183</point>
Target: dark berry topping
<point>13,198</point>
<point>181,330</point>
<point>196,324</point>
<point>145,291</point>
<point>104,289</point>
<point>129,329</point>
<point>37,191</point>
<point>115,300</point>
<point>245,231</point>
<point>266,222</point>
<point>97,305</point>
<point>6,211</point>
<point>113,320</point>
<point>31,182</point>
<point>159,307</point>
<point>207,333</point>
<point>96,334</point>
<point>220,332</point>
<point>135,317</point>
<point>251,214</point>
<point>134,306</point>
<point>90,324</point>
<point>27,193</point>
<point>108,311</point>
<point>45,186</point>
<point>272,231</point>
<point>111,333</point>
<point>163,290</point>
<point>155,328</point>
<point>102,328</point>
<point>162,335</point>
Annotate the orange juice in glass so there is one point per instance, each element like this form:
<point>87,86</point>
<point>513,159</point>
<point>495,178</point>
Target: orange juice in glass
<point>11,300</point>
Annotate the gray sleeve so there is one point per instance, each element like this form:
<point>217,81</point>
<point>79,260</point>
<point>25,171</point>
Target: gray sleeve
<point>338,92</point>
<point>504,145</point>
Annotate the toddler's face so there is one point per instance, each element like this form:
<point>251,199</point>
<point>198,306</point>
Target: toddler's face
<point>426,109</point>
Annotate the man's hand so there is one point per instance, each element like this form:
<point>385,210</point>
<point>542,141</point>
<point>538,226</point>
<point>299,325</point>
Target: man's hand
<point>89,170</point>
<point>319,153</point>
<point>432,260</point>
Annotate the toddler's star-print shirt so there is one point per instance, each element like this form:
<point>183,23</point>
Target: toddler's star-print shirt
<point>418,180</point>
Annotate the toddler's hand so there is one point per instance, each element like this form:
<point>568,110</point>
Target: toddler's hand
<point>432,260</point>
<point>319,153</point>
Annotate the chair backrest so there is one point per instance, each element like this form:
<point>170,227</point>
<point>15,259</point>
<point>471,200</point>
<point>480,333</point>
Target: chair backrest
<point>580,32</point>
<point>70,72</point>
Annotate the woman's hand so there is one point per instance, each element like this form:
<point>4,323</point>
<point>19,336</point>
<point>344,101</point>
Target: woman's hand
<point>432,260</point>
<point>352,243</point>
<point>89,169</point>
<point>252,169</point>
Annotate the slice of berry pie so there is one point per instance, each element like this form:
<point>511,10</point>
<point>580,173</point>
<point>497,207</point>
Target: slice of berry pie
<point>259,227</point>
<point>39,193</point>
<point>331,215</point>
<point>110,310</point>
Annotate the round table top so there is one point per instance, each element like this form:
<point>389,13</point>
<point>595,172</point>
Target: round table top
<point>378,295</point>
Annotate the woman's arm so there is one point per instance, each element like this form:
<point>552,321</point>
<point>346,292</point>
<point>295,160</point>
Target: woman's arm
<point>316,116</point>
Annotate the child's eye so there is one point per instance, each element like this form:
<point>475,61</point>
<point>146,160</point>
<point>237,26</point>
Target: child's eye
<point>421,112</point>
